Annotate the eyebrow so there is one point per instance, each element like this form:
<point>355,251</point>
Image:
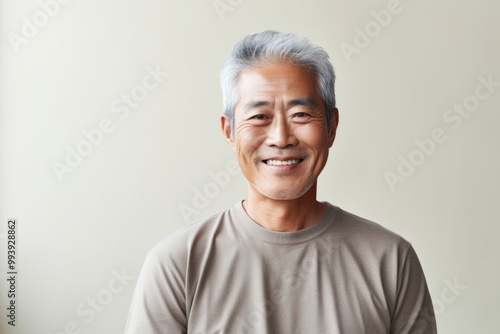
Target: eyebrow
<point>304,101</point>
<point>256,104</point>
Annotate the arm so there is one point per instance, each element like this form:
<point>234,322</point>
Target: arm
<point>159,304</point>
<point>414,313</point>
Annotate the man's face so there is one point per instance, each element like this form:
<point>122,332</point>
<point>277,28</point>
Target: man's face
<point>280,133</point>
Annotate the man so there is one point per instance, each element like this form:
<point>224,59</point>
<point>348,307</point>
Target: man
<point>281,261</point>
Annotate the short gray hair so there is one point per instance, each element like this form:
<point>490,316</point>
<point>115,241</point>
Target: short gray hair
<point>270,47</point>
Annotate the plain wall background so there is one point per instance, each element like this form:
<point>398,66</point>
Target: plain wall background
<point>126,194</point>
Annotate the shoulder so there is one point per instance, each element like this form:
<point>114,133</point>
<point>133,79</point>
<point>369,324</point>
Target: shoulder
<point>195,236</point>
<point>366,234</point>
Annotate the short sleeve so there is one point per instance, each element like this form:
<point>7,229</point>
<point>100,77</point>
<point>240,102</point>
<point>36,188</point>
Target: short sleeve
<point>158,305</point>
<point>414,313</point>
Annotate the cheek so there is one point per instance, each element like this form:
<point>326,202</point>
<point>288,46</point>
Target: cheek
<point>246,148</point>
<point>317,142</point>
<point>315,137</point>
<point>247,141</point>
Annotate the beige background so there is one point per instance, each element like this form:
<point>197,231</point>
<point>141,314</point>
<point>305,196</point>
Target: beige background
<point>77,234</point>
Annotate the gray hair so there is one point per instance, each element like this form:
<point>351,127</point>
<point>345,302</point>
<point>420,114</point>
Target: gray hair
<point>270,47</point>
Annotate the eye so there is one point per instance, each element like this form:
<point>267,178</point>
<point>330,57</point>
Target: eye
<point>301,117</point>
<point>260,117</point>
<point>300,114</point>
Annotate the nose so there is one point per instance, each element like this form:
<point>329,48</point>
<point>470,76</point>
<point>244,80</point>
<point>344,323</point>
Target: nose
<point>280,133</point>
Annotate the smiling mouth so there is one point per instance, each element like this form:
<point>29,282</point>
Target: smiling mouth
<point>273,162</point>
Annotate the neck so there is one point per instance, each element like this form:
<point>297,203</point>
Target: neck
<point>284,215</point>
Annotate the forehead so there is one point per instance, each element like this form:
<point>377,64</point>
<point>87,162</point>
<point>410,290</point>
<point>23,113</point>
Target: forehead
<point>283,79</point>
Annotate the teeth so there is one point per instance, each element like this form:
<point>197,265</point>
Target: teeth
<point>281,163</point>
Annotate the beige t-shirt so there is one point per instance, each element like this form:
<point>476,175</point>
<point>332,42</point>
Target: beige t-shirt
<point>227,274</point>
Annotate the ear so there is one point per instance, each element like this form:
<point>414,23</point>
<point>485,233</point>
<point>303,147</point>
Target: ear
<point>225,124</point>
<point>334,122</point>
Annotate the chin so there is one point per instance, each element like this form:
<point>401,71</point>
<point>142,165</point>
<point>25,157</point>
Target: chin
<point>285,194</point>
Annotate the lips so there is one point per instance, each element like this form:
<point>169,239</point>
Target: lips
<point>287,162</point>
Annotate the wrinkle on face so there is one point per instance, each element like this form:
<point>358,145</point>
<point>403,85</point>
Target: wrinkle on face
<point>280,114</point>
